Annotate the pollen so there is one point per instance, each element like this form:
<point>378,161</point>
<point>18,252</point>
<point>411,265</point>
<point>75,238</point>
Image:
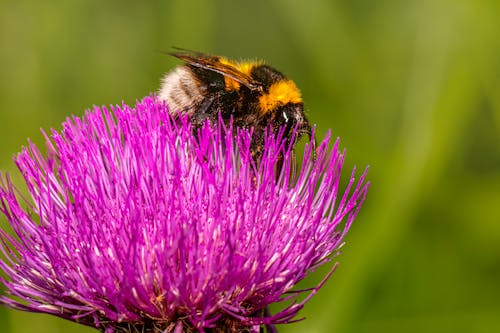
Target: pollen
<point>280,93</point>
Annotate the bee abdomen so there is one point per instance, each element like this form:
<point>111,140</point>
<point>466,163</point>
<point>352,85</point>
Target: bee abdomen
<point>182,90</point>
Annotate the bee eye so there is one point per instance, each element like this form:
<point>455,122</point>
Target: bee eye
<point>285,116</point>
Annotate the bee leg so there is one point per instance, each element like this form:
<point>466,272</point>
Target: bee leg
<point>201,115</point>
<point>206,105</point>
<point>315,147</point>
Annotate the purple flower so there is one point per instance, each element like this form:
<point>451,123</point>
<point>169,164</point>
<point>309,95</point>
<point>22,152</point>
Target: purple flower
<point>137,223</point>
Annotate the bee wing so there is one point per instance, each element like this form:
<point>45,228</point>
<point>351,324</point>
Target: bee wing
<point>212,63</point>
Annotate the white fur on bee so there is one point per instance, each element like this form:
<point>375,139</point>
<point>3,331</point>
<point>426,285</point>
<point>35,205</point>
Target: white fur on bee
<point>181,90</point>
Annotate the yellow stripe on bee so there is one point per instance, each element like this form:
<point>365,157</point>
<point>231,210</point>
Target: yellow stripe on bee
<point>243,67</point>
<point>280,93</point>
<point>231,84</point>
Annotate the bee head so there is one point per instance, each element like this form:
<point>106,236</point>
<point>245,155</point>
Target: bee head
<point>293,118</point>
<point>282,101</point>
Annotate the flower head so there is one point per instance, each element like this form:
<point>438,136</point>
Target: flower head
<point>137,222</point>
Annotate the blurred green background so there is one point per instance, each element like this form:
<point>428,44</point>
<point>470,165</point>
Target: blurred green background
<point>411,87</point>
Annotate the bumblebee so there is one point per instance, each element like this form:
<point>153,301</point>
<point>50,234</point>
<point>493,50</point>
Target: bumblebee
<point>255,95</point>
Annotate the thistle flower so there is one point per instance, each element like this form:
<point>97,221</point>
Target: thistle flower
<point>137,223</point>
